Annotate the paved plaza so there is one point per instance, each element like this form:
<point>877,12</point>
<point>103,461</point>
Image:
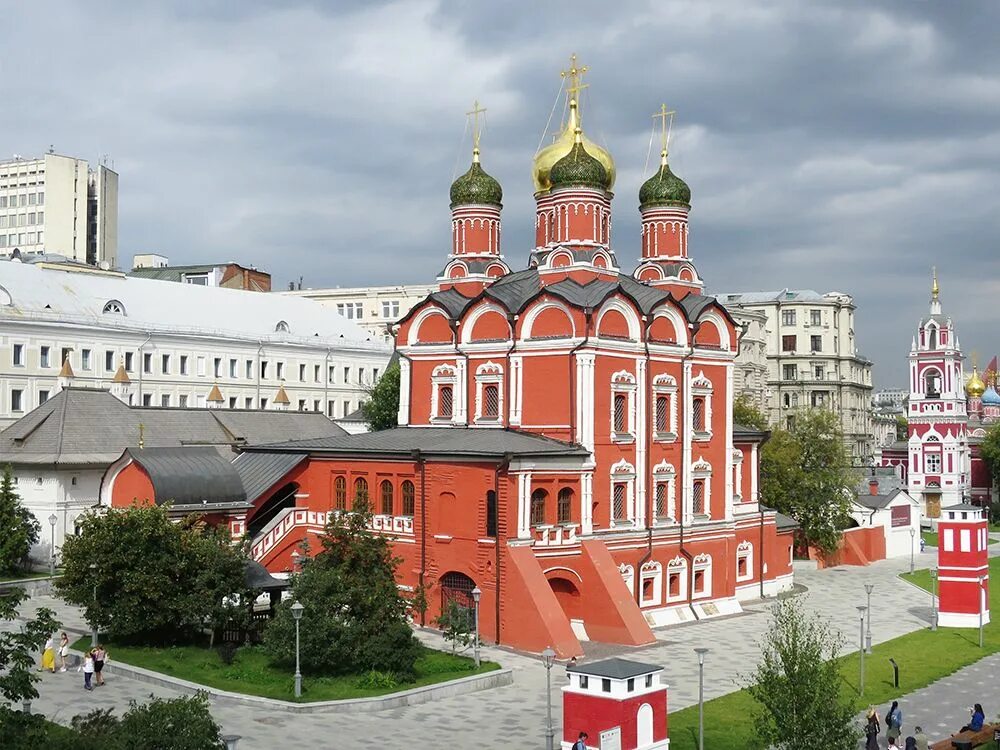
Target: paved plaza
<point>514,716</point>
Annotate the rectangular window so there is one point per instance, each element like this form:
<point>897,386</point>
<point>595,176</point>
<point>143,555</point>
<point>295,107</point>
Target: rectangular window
<point>165,364</point>
<point>445,401</point>
<point>316,405</point>
<point>279,370</point>
<point>662,414</point>
<point>819,372</point>
<point>43,357</point>
<point>43,396</point>
<point>491,401</point>
<point>584,681</point>
<point>788,343</point>
<point>949,540</point>
<point>698,413</point>
<point>217,367</point>
<point>316,373</point>
<point>16,399</point>
<point>202,366</point>
<point>649,680</point>
<point>605,685</point>
<point>620,501</point>
<point>263,403</point>
<point>165,399</point>
<point>698,497</point>
<point>660,501</point>
<point>815,343</point>
<point>788,317</point>
<point>302,404</point>
<point>630,685</point>
<point>263,369</point>
<point>347,375</point>
<point>147,363</point>
<point>147,399</point>
<point>184,364</point>
<point>128,361</point>
<point>233,401</point>
<point>109,361</point>
<point>390,309</point>
<point>789,372</point>
<point>302,375</point>
<point>249,369</point>
<point>248,402</point>
<point>815,317</point>
<point>183,401</point>
<point>234,367</point>
<point>491,509</point>
<point>699,582</point>
<point>17,355</point>
<point>932,463</point>
<point>620,425</point>
<point>85,359</point>
<point>964,540</point>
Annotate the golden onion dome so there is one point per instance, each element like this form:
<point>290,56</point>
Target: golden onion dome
<point>974,386</point>
<point>546,158</point>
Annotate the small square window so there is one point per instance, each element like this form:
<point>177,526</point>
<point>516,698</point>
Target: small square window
<point>584,681</point>
<point>649,680</point>
<point>605,685</point>
<point>631,684</point>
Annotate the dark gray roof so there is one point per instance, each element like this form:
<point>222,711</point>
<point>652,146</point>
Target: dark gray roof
<point>964,506</point>
<point>256,577</point>
<point>450,441</point>
<point>878,502</point>
<point>784,523</point>
<point>615,668</point>
<point>259,471</point>
<point>749,433</point>
<point>191,477</point>
<point>85,427</point>
<point>171,273</point>
<point>452,301</point>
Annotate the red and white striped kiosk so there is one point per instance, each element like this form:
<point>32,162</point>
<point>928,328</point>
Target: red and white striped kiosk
<point>963,567</point>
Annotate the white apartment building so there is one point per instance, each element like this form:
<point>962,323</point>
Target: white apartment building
<point>180,345</point>
<point>58,204</point>
<point>813,361</point>
<point>372,307</point>
<point>891,400</point>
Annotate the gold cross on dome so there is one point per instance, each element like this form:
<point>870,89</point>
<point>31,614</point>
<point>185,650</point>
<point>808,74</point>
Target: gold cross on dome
<point>575,75</point>
<point>474,113</point>
<point>666,118</point>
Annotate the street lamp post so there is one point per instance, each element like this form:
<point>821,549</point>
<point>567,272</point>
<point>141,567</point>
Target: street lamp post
<point>861,611</point>
<point>53,520</point>
<point>913,535</point>
<point>934,615</point>
<point>869,588</point>
<point>93,625</point>
<point>476,593</point>
<point>297,615</point>
<point>980,603</point>
<point>701,696</point>
<point>548,657</point>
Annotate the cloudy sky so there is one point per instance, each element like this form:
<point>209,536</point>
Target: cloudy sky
<point>843,145</point>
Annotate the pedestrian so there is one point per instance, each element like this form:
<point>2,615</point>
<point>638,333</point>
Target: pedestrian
<point>49,656</point>
<point>920,738</point>
<point>100,656</point>
<point>977,720</point>
<point>581,742</point>
<point>872,729</point>
<point>911,743</point>
<point>894,723</point>
<point>63,651</point>
<point>88,670</point>
<point>892,743</point>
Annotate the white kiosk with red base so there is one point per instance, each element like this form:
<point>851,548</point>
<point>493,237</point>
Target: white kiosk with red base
<point>963,567</point>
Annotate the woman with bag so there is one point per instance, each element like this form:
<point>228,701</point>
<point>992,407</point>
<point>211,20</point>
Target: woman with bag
<point>872,729</point>
<point>894,722</point>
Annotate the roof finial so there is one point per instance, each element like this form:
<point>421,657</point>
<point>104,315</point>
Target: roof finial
<point>666,118</point>
<point>475,112</point>
<point>142,433</point>
<point>935,289</point>
<point>575,75</point>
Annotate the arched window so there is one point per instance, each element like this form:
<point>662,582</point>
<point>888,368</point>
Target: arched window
<point>698,413</point>
<point>620,502</point>
<point>662,414</point>
<point>340,493</point>
<point>281,327</point>
<point>385,493</point>
<point>698,497</point>
<point>114,307</point>
<point>564,505</point>
<point>360,492</point>
<point>660,503</point>
<point>406,490</point>
<point>538,498</point>
<point>621,413</point>
<point>446,402</point>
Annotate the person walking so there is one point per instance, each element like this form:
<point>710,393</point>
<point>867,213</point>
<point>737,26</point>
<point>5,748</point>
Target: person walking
<point>894,724</point>
<point>911,743</point>
<point>100,656</point>
<point>872,729</point>
<point>63,651</point>
<point>920,738</point>
<point>581,742</point>
<point>49,656</point>
<point>88,670</point>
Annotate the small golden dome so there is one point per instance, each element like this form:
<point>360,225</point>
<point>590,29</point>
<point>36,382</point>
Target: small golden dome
<point>546,158</point>
<point>974,386</point>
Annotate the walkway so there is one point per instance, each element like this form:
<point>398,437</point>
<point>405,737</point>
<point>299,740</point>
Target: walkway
<point>514,716</point>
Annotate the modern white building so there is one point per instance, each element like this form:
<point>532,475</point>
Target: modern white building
<point>179,345</point>
<point>372,307</point>
<point>813,360</point>
<point>58,204</point>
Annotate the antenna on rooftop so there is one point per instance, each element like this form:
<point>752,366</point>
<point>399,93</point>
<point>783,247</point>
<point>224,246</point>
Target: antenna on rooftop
<point>52,148</point>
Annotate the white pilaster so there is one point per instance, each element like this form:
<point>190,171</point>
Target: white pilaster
<point>641,480</point>
<point>517,394</point>
<point>729,441</point>
<point>586,503</point>
<point>403,416</point>
<point>686,481</point>
<point>524,505</point>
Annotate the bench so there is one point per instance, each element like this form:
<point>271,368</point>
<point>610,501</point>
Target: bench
<point>967,740</point>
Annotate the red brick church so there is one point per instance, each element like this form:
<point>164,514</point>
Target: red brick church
<point>566,439</point>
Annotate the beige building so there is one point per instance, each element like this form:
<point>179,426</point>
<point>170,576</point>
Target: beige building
<point>750,370</point>
<point>371,307</point>
<point>812,359</point>
<point>58,204</point>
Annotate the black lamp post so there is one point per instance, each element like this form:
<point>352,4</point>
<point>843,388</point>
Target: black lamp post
<point>297,615</point>
<point>476,594</point>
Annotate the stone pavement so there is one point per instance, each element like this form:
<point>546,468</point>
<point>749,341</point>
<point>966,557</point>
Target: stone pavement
<point>514,716</point>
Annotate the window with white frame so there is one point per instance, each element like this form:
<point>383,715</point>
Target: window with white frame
<point>702,578</point>
<point>744,561</point>
<point>676,590</point>
<point>701,476</point>
<point>623,407</point>
<point>664,408</point>
<point>932,463</point>
<point>737,475</point>
<point>628,575</point>
<point>443,381</point>
<point>622,493</point>
<point>650,584</point>
<point>489,392</point>
<point>664,495</point>
<point>701,407</point>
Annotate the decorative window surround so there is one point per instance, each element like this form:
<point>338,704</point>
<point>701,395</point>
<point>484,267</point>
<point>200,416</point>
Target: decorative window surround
<point>443,375</point>
<point>651,572</point>
<point>623,384</point>
<point>744,561</point>
<point>623,474</point>
<point>701,387</point>
<point>489,373</point>
<point>677,581</point>
<point>665,387</point>
<point>737,476</point>
<point>664,481</point>
<point>628,575</point>
<point>702,471</point>
<point>702,577</point>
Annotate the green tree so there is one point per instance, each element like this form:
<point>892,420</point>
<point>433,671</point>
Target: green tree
<point>18,645</point>
<point>805,473</point>
<point>796,685</point>
<point>381,410</point>
<point>156,581</point>
<point>456,623</point>
<point>902,427</point>
<point>18,527</point>
<point>354,619</point>
<point>746,413</point>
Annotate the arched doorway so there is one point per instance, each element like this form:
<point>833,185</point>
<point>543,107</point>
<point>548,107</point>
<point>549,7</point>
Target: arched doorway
<point>568,596</point>
<point>456,588</point>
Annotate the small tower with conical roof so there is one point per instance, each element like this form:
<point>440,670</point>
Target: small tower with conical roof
<point>476,200</point>
<point>281,400</point>
<point>66,375</point>
<point>664,204</point>
<point>215,399</point>
<point>121,384</point>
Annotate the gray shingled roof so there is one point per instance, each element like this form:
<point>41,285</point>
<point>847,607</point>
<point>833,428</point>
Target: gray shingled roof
<point>259,471</point>
<point>615,668</point>
<point>877,502</point>
<point>86,426</point>
<point>191,477</point>
<point>454,441</point>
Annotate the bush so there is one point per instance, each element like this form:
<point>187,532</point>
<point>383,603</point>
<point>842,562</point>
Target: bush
<point>18,527</point>
<point>437,662</point>
<point>375,680</point>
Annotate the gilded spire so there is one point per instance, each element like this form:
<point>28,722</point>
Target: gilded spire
<point>474,113</point>
<point>935,289</point>
<point>666,119</point>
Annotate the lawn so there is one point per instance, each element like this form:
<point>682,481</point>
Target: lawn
<point>250,672</point>
<point>923,657</point>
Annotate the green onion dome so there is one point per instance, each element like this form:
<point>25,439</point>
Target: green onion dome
<point>664,188</point>
<point>579,169</point>
<point>476,187</point>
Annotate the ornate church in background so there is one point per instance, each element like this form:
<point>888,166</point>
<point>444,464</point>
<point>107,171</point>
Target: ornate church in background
<point>566,447</point>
